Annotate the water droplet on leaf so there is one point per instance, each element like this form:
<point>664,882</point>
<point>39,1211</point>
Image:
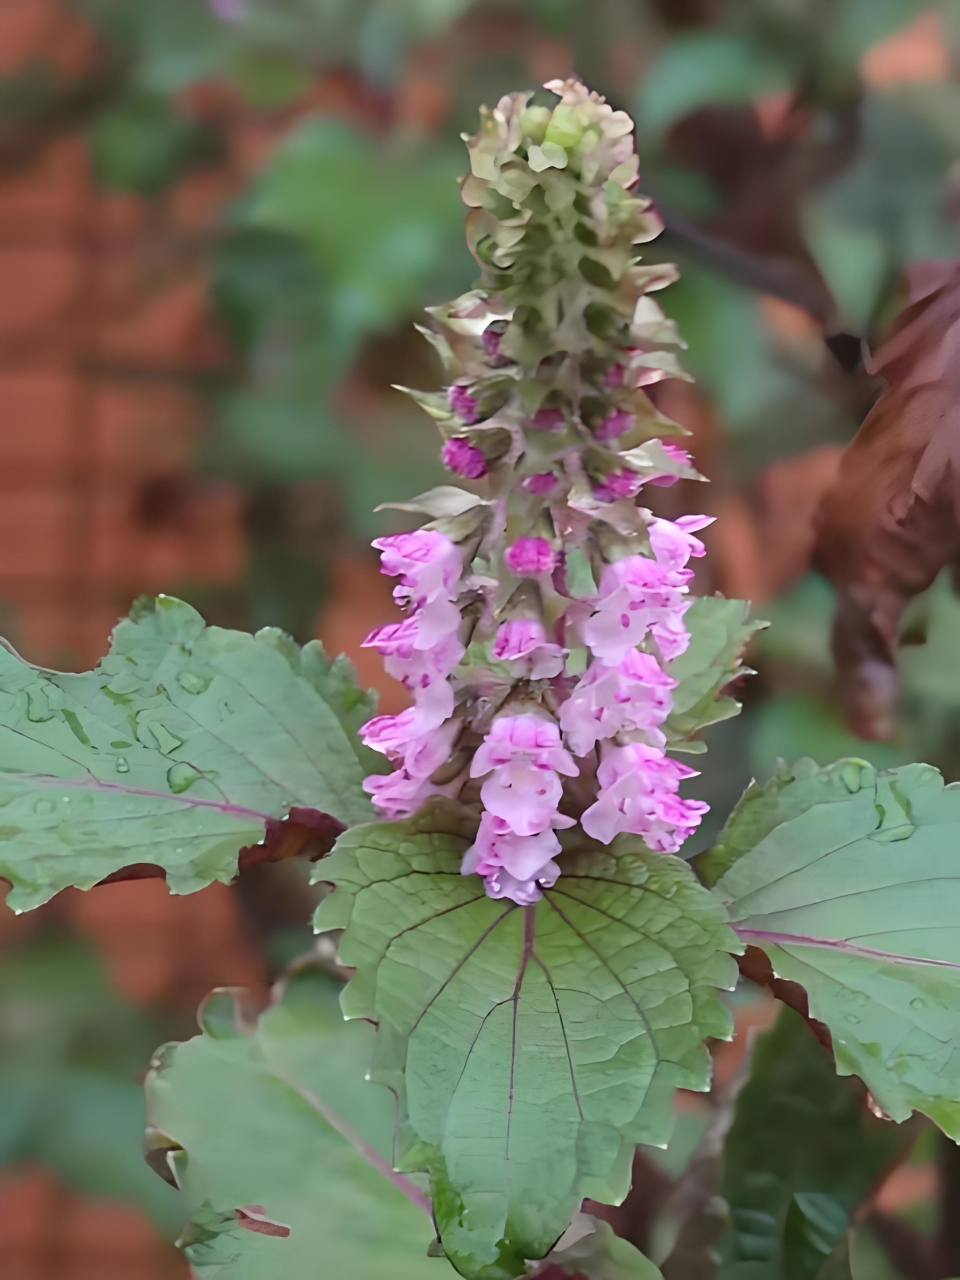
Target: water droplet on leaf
<point>192,682</point>
<point>180,776</point>
<point>121,765</point>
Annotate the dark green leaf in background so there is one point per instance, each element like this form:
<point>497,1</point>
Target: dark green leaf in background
<point>71,1054</point>
<point>802,1153</point>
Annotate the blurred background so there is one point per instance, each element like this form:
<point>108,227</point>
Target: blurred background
<point>218,221</point>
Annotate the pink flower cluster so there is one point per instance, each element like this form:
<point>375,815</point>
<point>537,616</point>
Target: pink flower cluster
<point>641,596</point>
<point>421,651</point>
<point>615,709</point>
<point>522,756</point>
<point>638,793</point>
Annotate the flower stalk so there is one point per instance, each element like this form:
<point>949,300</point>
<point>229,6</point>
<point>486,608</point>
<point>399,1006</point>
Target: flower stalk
<point>544,604</point>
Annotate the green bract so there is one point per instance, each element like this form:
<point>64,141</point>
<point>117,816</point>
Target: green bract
<point>553,225</point>
<point>849,881</point>
<point>530,1048</point>
<point>178,750</point>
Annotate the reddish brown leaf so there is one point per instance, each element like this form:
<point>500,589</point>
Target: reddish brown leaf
<point>892,520</point>
<point>253,1217</point>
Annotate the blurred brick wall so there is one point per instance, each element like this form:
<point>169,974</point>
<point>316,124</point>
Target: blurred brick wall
<point>102,331</point>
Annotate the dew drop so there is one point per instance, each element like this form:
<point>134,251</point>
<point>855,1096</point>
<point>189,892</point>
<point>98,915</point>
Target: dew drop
<point>918,1002</point>
<point>44,806</point>
<point>122,765</point>
<point>38,705</point>
<point>852,1019</point>
<point>192,682</point>
<point>181,776</point>
<point>159,736</point>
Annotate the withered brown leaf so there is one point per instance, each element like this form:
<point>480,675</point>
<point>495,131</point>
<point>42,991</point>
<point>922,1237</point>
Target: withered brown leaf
<point>891,521</point>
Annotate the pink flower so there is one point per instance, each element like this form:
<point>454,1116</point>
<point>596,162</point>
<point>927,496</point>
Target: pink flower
<point>523,642</point>
<point>632,696</point>
<point>528,557</point>
<point>464,458</point>
<point>429,567</point>
<point>638,595</point>
<point>672,542</point>
<point>638,794</point>
<point>463,404</point>
<point>491,338</point>
<point>613,378</point>
<point>392,735</point>
<point>427,563</point>
<point>406,658</point>
<point>525,857</point>
<point>618,484</point>
<point>664,479</point>
<point>540,482</point>
<point>501,884</point>
<point>548,420</point>
<point>615,424</point>
<point>523,755</point>
<point>401,793</point>
<point>397,794</point>
<point>229,10</point>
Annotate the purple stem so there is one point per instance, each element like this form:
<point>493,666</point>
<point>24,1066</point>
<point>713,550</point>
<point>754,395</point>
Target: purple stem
<point>97,784</point>
<point>839,944</point>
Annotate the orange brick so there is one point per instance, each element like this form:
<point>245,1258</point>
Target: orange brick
<point>160,947</point>
<point>37,421</point>
<point>25,27</point>
<point>145,429</point>
<point>38,301</point>
<point>46,198</point>
<point>164,330</point>
<point>34,531</point>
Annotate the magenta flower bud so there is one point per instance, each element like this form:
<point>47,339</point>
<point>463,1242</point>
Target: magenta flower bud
<point>464,458</point>
<point>463,404</point>
<point>548,420</point>
<point>615,424</point>
<point>613,378</point>
<point>618,484</point>
<point>528,557</point>
<point>677,454</point>
<point>540,482</point>
<point>492,337</point>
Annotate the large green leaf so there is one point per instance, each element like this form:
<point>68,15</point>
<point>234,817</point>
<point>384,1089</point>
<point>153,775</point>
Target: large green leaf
<point>183,746</point>
<point>849,881</point>
<point>530,1048</point>
<point>802,1153</point>
<point>720,630</point>
<point>255,1114</point>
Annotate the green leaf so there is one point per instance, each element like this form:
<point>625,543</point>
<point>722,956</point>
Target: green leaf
<point>530,1048</point>
<point>591,1248</point>
<point>183,745</point>
<point>70,1052</point>
<point>389,222</point>
<point>705,67</point>
<point>802,1153</point>
<point>849,881</point>
<point>720,630</point>
<point>141,144</point>
<point>256,1115</point>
